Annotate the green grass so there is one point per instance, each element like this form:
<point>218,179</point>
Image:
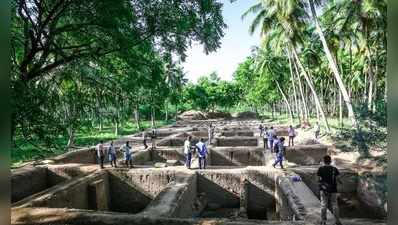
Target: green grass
<point>25,151</point>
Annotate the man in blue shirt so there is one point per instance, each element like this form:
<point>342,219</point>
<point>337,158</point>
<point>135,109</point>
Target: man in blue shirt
<point>202,152</point>
<point>280,148</point>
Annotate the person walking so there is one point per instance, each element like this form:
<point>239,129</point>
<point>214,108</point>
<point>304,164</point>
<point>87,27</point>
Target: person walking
<point>112,155</point>
<point>265,137</point>
<point>317,130</point>
<point>144,140</point>
<point>188,152</point>
<point>128,159</point>
<point>202,153</point>
<point>328,178</point>
<point>292,134</point>
<point>100,154</point>
<point>280,152</point>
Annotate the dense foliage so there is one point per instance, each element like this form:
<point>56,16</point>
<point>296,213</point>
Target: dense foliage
<point>85,62</point>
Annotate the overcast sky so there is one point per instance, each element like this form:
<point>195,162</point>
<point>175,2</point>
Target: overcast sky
<point>235,46</point>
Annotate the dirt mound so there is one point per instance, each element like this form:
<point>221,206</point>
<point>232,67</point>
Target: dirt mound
<point>198,115</point>
<point>247,115</point>
<point>192,115</point>
<point>217,115</point>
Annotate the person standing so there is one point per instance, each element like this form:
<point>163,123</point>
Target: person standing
<point>126,149</point>
<point>112,154</point>
<point>271,134</point>
<point>153,137</point>
<point>317,130</point>
<point>210,132</point>
<point>188,152</point>
<point>292,134</point>
<point>144,140</point>
<point>101,154</point>
<point>265,137</point>
<point>328,178</point>
<point>261,129</point>
<point>280,152</point>
<point>202,153</point>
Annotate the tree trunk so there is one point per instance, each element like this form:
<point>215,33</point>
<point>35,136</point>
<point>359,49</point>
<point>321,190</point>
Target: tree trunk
<point>137,117</point>
<point>100,124</point>
<point>116,127</point>
<point>334,68</point>
<point>273,111</point>
<point>340,110</point>
<point>176,112</point>
<point>166,116</point>
<point>152,117</point>
<point>286,101</point>
<point>71,139</point>
<point>304,106</point>
<point>314,94</point>
<point>298,109</point>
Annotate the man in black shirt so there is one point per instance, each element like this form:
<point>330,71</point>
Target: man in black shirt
<point>328,189</point>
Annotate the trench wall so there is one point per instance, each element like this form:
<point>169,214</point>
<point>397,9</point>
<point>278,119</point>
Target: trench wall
<point>306,154</point>
<point>73,194</point>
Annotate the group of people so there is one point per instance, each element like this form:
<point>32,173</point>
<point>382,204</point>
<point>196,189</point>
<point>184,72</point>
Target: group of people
<point>102,151</point>
<point>200,149</point>
<point>276,144</point>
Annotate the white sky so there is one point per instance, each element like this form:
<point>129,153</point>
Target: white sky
<point>235,46</point>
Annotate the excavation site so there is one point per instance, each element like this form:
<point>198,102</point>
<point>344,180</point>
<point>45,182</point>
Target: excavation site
<point>238,186</point>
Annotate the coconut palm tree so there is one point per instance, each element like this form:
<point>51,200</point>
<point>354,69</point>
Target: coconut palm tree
<point>282,22</point>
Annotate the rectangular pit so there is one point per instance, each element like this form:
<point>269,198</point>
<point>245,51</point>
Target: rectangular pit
<point>30,180</point>
<point>351,197</point>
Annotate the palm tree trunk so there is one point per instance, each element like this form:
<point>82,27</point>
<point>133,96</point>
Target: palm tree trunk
<point>286,101</point>
<point>137,117</point>
<point>334,67</point>
<point>340,110</point>
<point>298,110</point>
<point>311,86</point>
<point>305,106</point>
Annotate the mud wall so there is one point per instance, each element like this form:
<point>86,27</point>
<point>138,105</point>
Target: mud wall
<point>72,194</point>
<point>47,216</point>
<point>236,156</point>
<point>86,155</point>
<point>237,133</point>
<point>126,196</point>
<point>306,154</point>
<point>152,181</point>
<point>26,181</point>
<point>175,200</point>
<point>236,141</point>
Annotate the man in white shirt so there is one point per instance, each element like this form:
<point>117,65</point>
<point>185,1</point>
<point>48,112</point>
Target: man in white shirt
<point>210,132</point>
<point>317,130</point>
<point>126,149</point>
<point>271,137</point>
<point>101,153</point>
<point>112,154</point>
<point>202,153</point>
<point>188,152</point>
<point>292,133</point>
